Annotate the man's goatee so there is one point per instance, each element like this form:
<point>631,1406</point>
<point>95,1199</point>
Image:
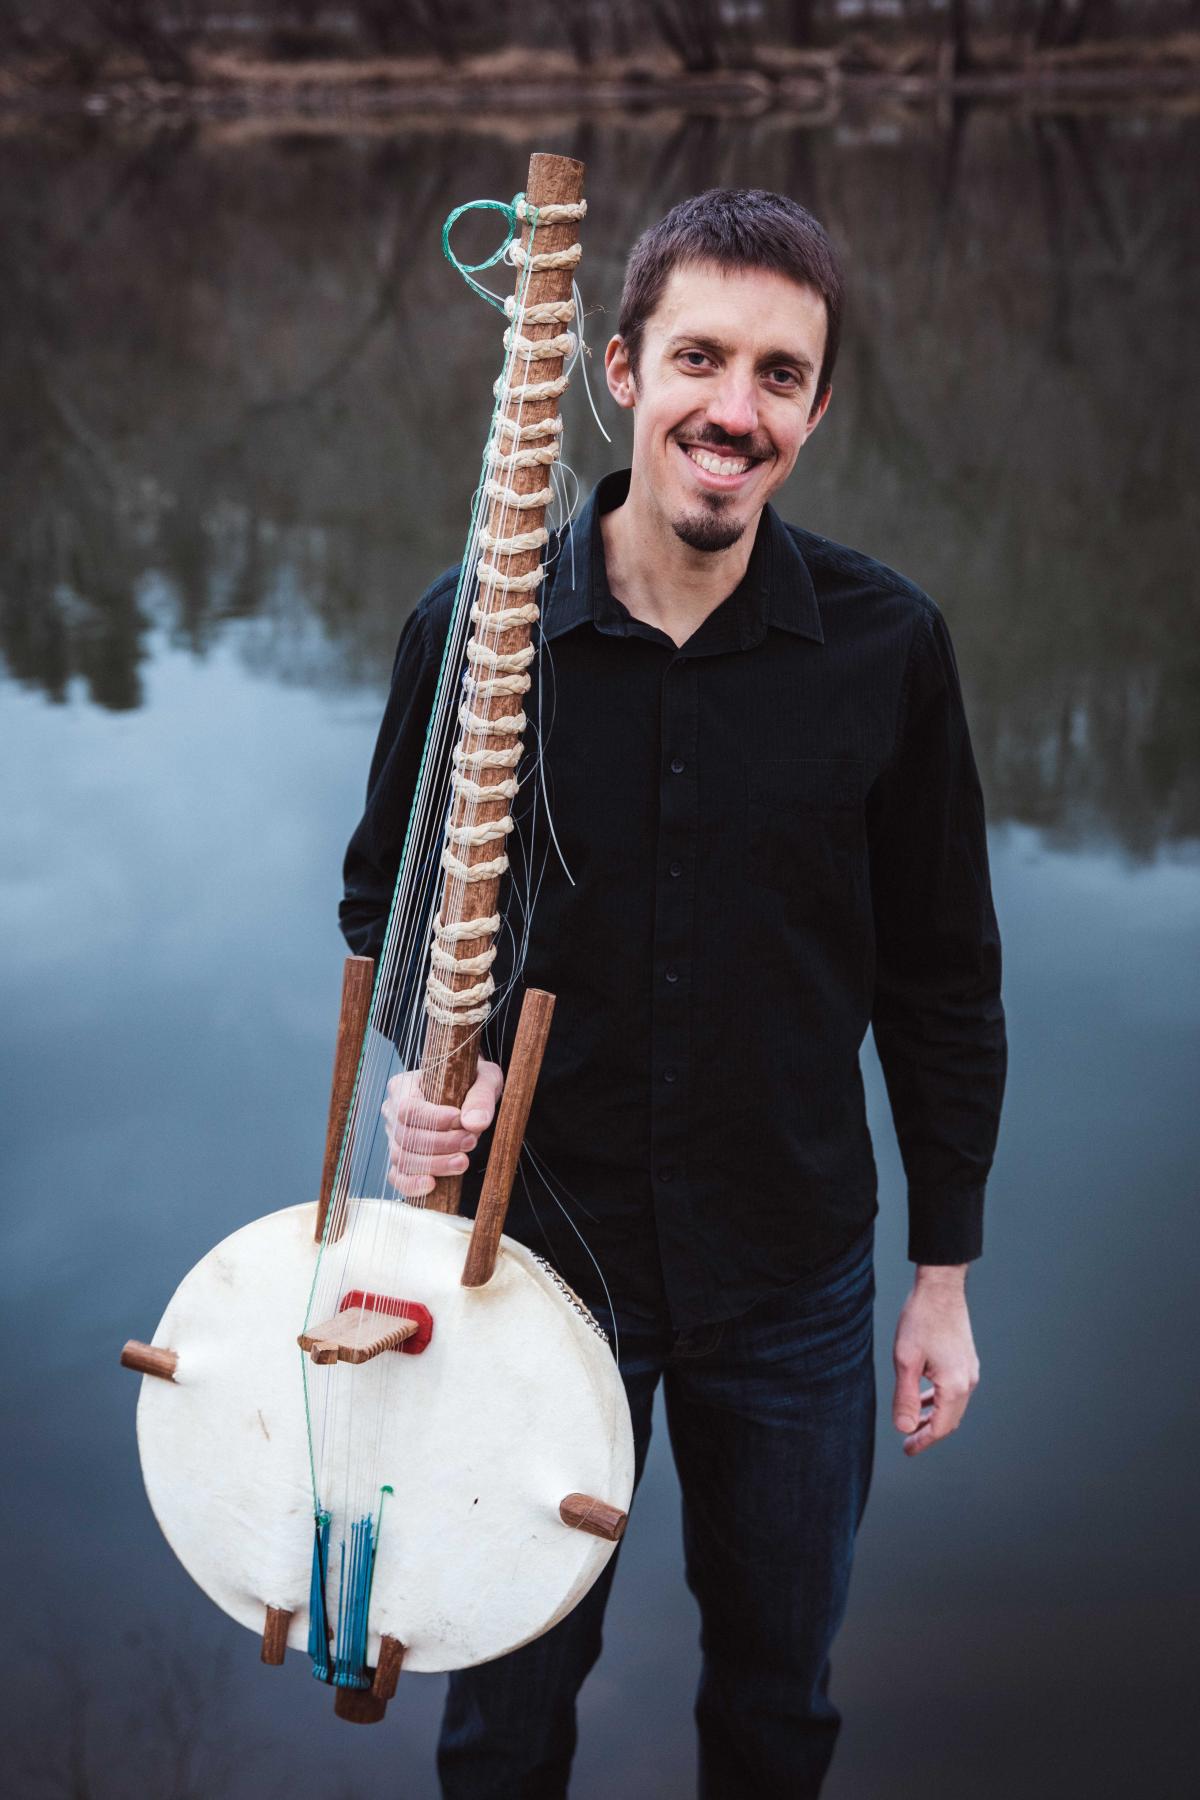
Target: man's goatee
<point>708,531</point>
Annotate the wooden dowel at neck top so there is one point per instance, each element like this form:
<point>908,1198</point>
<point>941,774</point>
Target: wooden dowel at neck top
<point>450,1054</point>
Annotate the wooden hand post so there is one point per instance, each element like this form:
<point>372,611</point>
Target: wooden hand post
<point>358,975</point>
<point>529,1046</point>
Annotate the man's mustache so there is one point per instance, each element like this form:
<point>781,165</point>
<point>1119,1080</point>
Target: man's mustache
<point>712,437</point>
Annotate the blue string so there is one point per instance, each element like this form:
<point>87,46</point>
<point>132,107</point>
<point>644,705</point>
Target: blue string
<point>318,1609</point>
<point>350,1663</point>
<point>468,270</point>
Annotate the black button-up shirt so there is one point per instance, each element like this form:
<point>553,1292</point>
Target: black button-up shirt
<point>767,839</point>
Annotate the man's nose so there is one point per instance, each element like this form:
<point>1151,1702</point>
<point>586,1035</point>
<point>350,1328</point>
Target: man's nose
<point>733,407</point>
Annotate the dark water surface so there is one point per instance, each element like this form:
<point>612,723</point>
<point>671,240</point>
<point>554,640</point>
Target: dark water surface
<point>243,403</point>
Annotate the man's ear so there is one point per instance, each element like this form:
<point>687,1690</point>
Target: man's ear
<point>818,412</point>
<point>618,372</point>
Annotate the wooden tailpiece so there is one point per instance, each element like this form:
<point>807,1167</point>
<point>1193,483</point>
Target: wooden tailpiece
<point>275,1635</point>
<point>366,1706</point>
<point>358,977</point>
<point>355,1335</point>
<point>358,1706</point>
<point>537,1010</point>
<point>148,1359</point>
<point>583,1513</point>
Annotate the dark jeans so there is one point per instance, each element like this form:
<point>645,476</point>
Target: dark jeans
<point>772,1421</point>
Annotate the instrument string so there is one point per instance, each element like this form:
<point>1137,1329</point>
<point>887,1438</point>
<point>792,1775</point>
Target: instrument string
<point>407,1032</point>
<point>551,1184</point>
<point>419,870</point>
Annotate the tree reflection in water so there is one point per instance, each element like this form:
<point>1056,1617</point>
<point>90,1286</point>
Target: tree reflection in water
<point>238,381</point>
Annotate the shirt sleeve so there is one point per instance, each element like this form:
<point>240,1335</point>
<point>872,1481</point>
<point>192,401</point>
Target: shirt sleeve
<point>373,857</point>
<point>937,1016</point>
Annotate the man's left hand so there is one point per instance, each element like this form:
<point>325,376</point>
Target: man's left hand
<point>933,1339</point>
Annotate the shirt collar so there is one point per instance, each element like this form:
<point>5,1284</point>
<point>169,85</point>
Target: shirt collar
<point>777,589</point>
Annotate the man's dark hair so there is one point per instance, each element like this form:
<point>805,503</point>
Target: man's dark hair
<point>734,228</point>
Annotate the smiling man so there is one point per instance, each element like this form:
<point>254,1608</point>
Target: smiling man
<point>769,837</point>
<point>728,376</point>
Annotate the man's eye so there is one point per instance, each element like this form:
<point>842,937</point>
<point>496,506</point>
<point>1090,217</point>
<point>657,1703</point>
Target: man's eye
<point>694,359</point>
<point>784,378</point>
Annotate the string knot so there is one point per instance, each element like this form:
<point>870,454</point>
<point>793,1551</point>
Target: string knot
<point>468,271</point>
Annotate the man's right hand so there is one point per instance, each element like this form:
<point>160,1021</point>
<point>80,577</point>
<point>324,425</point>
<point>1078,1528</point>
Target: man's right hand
<point>426,1140</point>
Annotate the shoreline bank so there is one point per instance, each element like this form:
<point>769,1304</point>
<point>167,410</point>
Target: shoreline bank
<point>241,84</point>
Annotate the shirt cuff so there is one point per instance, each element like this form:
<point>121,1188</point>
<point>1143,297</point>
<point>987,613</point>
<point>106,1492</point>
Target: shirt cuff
<point>945,1227</point>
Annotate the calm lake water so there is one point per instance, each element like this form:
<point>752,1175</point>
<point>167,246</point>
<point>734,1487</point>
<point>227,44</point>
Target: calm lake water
<point>244,399</point>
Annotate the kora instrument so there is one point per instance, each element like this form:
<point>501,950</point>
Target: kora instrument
<point>371,1430</point>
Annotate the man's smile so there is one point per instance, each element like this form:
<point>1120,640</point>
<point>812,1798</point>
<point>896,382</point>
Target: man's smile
<point>721,469</point>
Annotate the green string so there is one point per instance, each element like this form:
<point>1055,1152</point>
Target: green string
<point>383,1492</point>
<point>468,270</point>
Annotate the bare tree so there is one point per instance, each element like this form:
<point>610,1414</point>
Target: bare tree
<point>693,32</point>
<point>960,35</point>
<point>141,25</point>
<point>802,23</point>
<point>1061,24</point>
<point>438,25</point>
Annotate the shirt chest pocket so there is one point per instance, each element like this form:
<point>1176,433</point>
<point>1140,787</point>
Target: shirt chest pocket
<point>805,831</point>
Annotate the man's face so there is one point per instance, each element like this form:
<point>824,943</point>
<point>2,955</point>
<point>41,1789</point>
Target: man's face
<point>722,398</point>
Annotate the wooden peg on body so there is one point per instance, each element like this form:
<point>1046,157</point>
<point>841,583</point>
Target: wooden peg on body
<point>275,1635</point>
<point>148,1359</point>
<point>583,1513</point>
<point>387,1670</point>
<point>358,979</point>
<point>529,1046</point>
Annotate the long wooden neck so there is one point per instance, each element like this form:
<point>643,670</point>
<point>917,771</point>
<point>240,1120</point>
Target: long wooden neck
<point>485,758</point>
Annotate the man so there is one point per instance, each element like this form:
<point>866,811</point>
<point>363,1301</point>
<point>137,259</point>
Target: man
<point>768,836</point>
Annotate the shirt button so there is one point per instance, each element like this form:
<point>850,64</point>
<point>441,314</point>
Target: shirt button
<point>669,1075</point>
<point>677,765</point>
<point>672,974</point>
<point>666,1174</point>
<point>675,870</point>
